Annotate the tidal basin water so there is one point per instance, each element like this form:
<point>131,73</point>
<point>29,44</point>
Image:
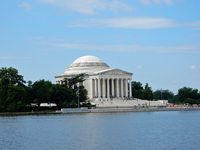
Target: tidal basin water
<point>104,131</point>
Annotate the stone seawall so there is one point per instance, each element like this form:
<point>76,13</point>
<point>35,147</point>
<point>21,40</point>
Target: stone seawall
<point>141,109</point>
<point>75,110</point>
<point>128,109</point>
<point>101,110</point>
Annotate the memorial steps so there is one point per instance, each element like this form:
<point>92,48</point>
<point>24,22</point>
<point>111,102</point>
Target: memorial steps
<point>104,102</point>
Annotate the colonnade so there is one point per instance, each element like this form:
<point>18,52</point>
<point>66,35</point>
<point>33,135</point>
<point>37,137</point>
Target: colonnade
<point>115,87</point>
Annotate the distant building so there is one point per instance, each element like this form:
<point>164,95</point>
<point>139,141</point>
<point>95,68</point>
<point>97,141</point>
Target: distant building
<point>100,79</point>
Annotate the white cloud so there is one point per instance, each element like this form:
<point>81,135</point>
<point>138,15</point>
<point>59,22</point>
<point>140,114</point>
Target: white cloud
<point>192,67</point>
<point>46,39</point>
<point>138,67</point>
<point>129,23</point>
<point>194,24</point>
<point>147,2</point>
<point>135,23</point>
<point>26,6</point>
<point>75,44</point>
<point>14,57</point>
<point>130,48</point>
<point>89,6</point>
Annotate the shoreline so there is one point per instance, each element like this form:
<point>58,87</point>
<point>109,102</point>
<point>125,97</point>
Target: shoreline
<point>143,109</point>
<point>27,113</point>
<point>103,110</point>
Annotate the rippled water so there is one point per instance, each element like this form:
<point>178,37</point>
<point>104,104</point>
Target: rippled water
<point>134,130</point>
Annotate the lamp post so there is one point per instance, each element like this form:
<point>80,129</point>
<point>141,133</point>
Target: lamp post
<point>78,95</point>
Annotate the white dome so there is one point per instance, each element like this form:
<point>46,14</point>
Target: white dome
<point>84,59</point>
<point>87,61</point>
<point>86,64</point>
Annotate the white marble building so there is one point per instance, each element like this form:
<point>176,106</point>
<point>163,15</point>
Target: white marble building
<point>100,79</point>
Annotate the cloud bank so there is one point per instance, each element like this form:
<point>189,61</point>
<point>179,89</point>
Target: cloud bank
<point>147,2</point>
<point>195,25</point>
<point>135,23</point>
<point>130,48</point>
<point>26,6</point>
<point>14,57</point>
<point>129,23</point>
<point>89,6</point>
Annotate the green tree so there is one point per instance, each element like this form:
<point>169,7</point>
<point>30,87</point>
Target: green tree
<point>30,94</point>
<point>41,92</point>
<point>12,90</point>
<point>139,94</point>
<point>142,93</point>
<point>166,94</point>
<point>137,85</point>
<point>10,76</point>
<point>61,95</point>
<point>137,90</point>
<point>148,92</point>
<point>174,99</point>
<point>186,92</point>
<point>82,94</point>
<point>72,83</point>
<point>190,101</point>
<point>30,83</point>
<point>15,100</point>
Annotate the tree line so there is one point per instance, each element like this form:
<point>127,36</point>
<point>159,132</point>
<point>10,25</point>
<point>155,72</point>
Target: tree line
<point>184,95</point>
<point>16,95</point>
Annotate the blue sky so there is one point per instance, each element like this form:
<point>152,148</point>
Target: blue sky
<point>157,40</point>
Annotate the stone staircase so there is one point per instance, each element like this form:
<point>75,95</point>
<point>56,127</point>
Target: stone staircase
<point>106,102</point>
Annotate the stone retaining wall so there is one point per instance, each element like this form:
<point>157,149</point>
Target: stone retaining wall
<point>142,109</point>
<point>75,110</point>
<point>105,110</point>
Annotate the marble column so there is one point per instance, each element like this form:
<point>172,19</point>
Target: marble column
<point>99,87</point>
<point>117,85</point>
<point>92,88</point>
<point>126,88</point>
<point>113,94</point>
<point>122,87</point>
<point>95,87</point>
<point>104,88</point>
<point>108,88</point>
<point>130,88</point>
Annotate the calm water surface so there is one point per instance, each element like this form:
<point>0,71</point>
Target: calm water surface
<point>106,131</point>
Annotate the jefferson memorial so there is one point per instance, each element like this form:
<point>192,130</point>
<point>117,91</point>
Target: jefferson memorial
<point>100,80</point>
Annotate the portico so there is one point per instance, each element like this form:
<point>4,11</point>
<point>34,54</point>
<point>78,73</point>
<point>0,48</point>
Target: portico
<point>105,87</point>
<point>100,80</point>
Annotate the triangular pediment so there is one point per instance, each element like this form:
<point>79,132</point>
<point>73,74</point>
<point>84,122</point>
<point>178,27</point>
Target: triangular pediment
<point>113,72</point>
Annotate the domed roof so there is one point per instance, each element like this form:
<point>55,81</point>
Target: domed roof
<point>87,61</point>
